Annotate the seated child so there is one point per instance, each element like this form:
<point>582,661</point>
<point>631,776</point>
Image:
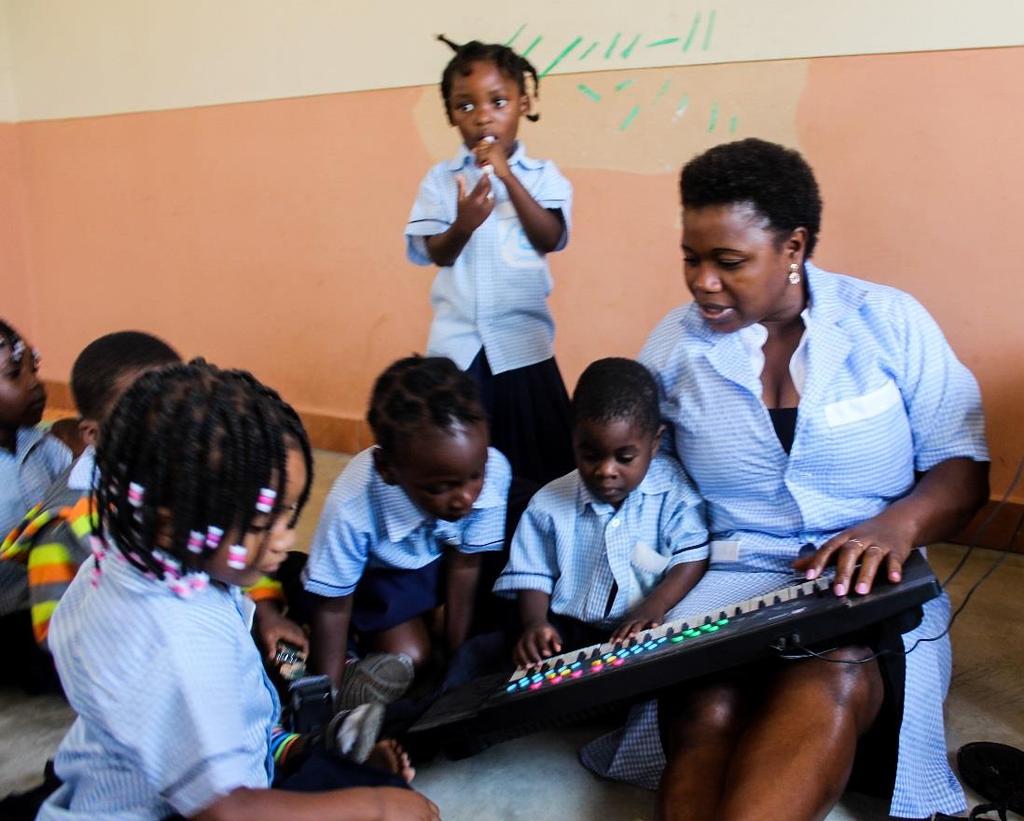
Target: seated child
<point>202,475</point>
<point>30,459</point>
<point>609,548</point>
<point>54,539</point>
<point>405,524</point>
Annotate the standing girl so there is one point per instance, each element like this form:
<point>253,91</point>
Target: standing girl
<point>487,218</point>
<point>201,476</point>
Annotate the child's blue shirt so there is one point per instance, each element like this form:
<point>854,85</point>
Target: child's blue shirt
<point>495,295</point>
<point>596,562</point>
<point>26,474</point>
<point>174,707</point>
<point>367,522</point>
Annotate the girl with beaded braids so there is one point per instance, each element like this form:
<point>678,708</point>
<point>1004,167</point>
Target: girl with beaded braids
<point>408,520</point>
<point>200,477</point>
<point>488,218</point>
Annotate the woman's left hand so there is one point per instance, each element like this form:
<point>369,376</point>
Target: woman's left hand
<point>874,545</point>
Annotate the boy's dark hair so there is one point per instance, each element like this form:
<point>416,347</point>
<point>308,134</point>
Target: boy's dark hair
<point>506,60</point>
<point>616,388</point>
<point>102,361</point>
<point>418,392</point>
<point>201,443</point>
<point>775,180</point>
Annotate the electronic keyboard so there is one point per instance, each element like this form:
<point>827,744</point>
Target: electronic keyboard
<point>580,682</point>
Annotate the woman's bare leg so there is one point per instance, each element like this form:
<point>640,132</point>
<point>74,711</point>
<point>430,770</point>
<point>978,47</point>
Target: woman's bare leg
<point>795,756</point>
<point>701,742</point>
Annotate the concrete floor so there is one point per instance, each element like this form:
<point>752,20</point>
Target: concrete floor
<point>538,777</point>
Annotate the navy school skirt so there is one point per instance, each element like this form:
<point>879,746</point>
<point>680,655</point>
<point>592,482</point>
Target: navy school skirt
<point>387,596</point>
<point>528,410</point>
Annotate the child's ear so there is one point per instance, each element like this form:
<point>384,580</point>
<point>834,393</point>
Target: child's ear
<point>384,467</point>
<point>656,441</point>
<point>525,105</point>
<point>89,430</point>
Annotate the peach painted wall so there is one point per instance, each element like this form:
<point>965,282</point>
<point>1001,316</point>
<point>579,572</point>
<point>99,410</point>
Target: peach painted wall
<point>16,304</point>
<point>267,235</point>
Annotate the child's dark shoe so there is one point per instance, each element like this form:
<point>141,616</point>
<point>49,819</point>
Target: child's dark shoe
<point>379,678</point>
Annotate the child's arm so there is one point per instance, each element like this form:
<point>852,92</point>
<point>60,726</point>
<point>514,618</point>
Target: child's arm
<point>355,804</point>
<point>471,210</point>
<point>273,626</point>
<point>463,576</point>
<point>539,638</point>
<point>543,226</point>
<point>329,642</point>
<point>650,611</point>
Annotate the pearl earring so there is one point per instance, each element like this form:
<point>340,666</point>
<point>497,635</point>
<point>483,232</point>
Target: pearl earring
<point>794,274</point>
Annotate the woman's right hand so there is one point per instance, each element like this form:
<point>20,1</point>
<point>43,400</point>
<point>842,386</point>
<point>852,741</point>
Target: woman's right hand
<point>538,642</point>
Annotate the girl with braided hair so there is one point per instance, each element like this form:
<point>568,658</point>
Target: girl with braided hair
<point>200,477</point>
<point>406,525</point>
<point>488,218</point>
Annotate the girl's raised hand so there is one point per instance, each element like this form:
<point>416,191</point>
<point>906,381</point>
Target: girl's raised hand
<point>492,154</point>
<point>476,206</point>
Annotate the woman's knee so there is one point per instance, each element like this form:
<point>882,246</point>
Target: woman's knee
<point>711,713</point>
<point>853,683</point>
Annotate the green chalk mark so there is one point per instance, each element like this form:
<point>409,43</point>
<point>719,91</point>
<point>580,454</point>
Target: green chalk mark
<point>693,32</point>
<point>666,42</point>
<point>590,48</point>
<point>588,91</point>
<point>628,50</point>
<point>561,56</point>
<point>708,31</point>
<point>684,103</point>
<point>714,117</point>
<point>532,45</point>
<point>623,85</point>
<point>611,46</point>
<point>512,39</point>
<point>629,118</point>
<point>733,122</point>
<point>662,90</point>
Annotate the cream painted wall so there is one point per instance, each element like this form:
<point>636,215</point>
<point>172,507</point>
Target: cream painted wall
<point>91,57</point>
<point>8,104</point>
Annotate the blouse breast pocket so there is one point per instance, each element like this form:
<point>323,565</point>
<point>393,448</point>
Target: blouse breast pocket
<point>871,446</point>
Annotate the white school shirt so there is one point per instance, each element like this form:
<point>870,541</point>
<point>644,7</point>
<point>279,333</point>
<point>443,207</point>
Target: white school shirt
<point>883,396</point>
<point>367,522</point>
<point>580,550</point>
<point>175,709</point>
<point>495,294</point>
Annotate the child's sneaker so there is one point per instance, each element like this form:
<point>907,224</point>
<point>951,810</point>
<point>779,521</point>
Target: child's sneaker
<point>352,733</point>
<point>379,678</point>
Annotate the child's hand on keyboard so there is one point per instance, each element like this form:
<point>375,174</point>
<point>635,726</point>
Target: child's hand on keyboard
<point>537,642</point>
<point>645,615</point>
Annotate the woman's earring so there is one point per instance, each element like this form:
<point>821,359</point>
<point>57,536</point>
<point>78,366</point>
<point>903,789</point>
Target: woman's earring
<point>794,273</point>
